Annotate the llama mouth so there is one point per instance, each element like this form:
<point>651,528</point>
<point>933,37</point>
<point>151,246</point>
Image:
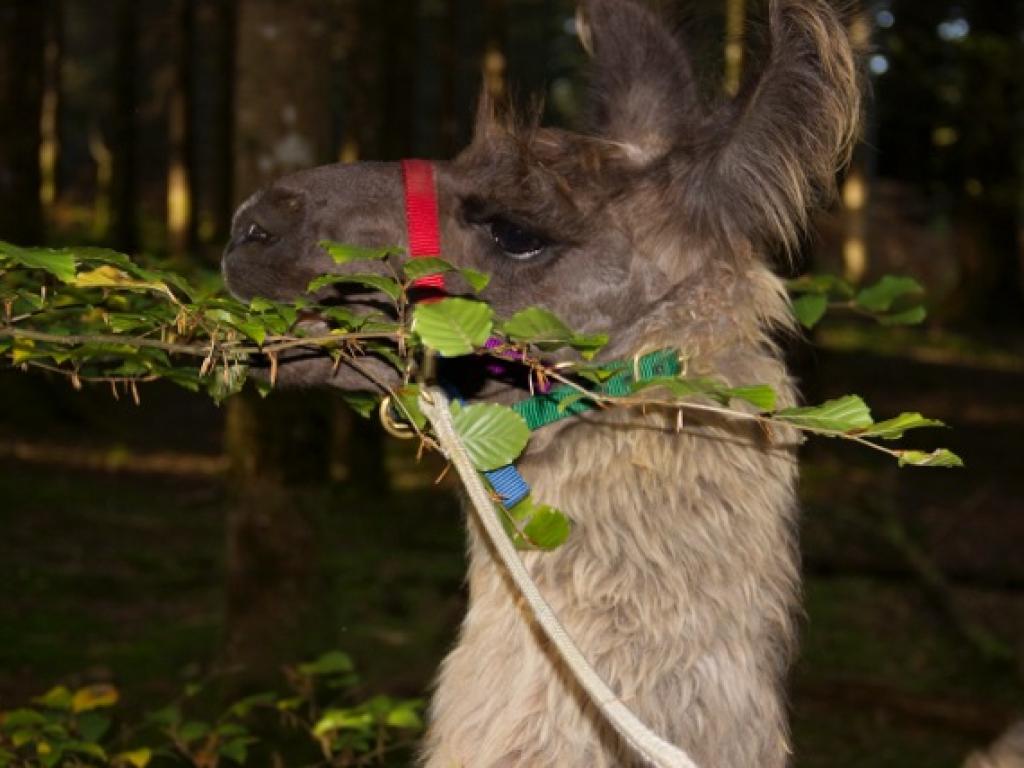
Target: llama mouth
<point>313,365</point>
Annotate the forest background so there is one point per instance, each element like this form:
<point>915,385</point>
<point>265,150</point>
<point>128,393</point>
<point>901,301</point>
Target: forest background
<point>154,545</point>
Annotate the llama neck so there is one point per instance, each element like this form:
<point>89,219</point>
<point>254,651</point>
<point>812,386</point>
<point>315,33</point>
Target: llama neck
<point>678,583</point>
<point>682,570</point>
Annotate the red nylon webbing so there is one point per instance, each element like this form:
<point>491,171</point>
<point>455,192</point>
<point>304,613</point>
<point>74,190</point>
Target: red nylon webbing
<point>421,217</point>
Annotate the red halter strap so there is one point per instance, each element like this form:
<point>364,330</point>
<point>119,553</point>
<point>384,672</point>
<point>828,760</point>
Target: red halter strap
<point>422,218</point>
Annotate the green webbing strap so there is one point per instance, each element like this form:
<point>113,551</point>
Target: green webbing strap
<point>540,410</point>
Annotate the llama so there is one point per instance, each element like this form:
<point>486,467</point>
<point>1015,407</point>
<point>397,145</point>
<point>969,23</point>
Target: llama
<point>681,577</point>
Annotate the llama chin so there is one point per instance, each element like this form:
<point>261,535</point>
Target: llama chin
<point>681,578</point>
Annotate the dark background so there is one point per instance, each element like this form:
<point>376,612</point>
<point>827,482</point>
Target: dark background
<point>154,545</point>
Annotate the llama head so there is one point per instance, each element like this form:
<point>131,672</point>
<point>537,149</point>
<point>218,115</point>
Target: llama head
<point>648,227</point>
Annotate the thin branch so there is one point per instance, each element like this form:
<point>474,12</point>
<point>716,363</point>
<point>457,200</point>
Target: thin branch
<point>719,410</point>
<point>194,350</point>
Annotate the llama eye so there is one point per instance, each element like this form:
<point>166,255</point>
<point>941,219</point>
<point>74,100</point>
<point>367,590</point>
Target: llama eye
<point>517,242</point>
<point>256,234</point>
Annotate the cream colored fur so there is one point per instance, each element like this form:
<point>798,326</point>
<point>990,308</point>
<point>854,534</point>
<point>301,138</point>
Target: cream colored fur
<point>678,583</point>
<point>1008,752</point>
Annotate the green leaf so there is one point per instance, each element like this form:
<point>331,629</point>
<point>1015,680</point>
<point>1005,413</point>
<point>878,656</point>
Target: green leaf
<point>534,325</point>
<point>893,429</point>
<point>913,316</point>
<point>589,346</point>
<point>761,396</point>
<point>86,748</point>
<point>167,717</point>
<point>243,707</point>
<point>94,697</point>
<point>138,758</point>
<point>362,403</point>
<point>343,317</point>
<point>260,304</point>
<point>843,415</point>
<point>60,264</point>
<point>416,269</point>
<point>236,750</point>
<point>223,382</point>
<point>881,296</point>
<point>21,718</point>
<point>23,350</point>
<point>535,527</point>
<point>409,405</point>
<point>545,330</point>
<point>597,374</point>
<point>453,327</point>
<point>255,331</point>
<point>810,309</point>
<point>821,284</point>
<point>346,254</point>
<point>342,719</point>
<point>55,698</point>
<point>406,716</point>
<point>125,323</point>
<point>92,726</point>
<point>20,738</point>
<point>494,436</point>
<point>112,277</point>
<point>49,755</point>
<point>193,731</point>
<point>547,529</point>
<point>478,281</point>
<point>331,663</point>
<point>940,458</point>
<point>380,283</point>
<point>290,704</point>
<point>683,388</point>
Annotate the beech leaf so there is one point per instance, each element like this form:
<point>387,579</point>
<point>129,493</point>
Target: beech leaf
<point>842,415</point>
<point>939,458</point>
<point>453,327</point>
<point>494,436</point>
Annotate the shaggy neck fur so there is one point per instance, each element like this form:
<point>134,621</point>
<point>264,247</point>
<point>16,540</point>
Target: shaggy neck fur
<point>678,583</point>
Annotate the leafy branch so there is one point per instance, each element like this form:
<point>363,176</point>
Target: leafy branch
<point>95,316</point>
<point>892,301</point>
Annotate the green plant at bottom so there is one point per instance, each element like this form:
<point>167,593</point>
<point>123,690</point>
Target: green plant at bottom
<point>315,722</point>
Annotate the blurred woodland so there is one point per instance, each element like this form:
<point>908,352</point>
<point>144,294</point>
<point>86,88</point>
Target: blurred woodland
<point>152,545</point>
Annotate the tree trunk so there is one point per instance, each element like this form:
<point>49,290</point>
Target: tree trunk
<point>125,187</point>
<point>181,231</point>
<point>279,449</point>
<point>49,128</point>
<point>22,38</point>
<point>282,99</point>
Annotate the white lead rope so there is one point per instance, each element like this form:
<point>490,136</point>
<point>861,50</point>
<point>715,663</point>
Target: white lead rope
<point>653,748</point>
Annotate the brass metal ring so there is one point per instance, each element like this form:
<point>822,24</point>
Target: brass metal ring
<point>400,429</point>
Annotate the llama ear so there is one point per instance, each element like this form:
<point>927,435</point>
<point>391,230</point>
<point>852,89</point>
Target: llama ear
<point>644,93</point>
<point>494,120</point>
<point>765,160</point>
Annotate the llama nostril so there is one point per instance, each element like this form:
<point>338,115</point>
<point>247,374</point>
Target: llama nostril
<point>254,233</point>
